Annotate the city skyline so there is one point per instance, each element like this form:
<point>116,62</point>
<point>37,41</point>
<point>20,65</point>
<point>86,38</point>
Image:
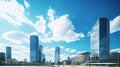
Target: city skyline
<point>66,24</point>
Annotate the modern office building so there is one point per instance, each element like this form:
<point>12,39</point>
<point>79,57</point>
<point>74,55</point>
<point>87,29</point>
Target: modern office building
<point>8,55</point>
<point>2,56</point>
<point>57,55</point>
<point>8,52</point>
<point>34,48</point>
<point>40,53</point>
<point>100,41</point>
<point>43,58</point>
<point>114,57</point>
<point>80,58</point>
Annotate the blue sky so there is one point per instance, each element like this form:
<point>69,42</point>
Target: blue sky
<point>63,23</point>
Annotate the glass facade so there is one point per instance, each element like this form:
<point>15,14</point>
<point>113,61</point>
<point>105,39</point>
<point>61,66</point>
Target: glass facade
<point>57,55</point>
<point>100,41</point>
<point>2,56</point>
<point>34,41</point>
<point>40,53</point>
<point>8,52</point>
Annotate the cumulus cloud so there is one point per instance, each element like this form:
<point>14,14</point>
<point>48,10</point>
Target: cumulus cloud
<point>33,33</point>
<point>46,40</point>
<point>115,25</point>
<point>67,49</point>
<point>70,50</point>
<point>61,47</point>
<point>27,5</point>
<point>13,12</point>
<point>60,28</point>
<point>73,50</point>
<point>63,30</point>
<point>64,57</point>
<point>40,24</point>
<point>88,34</point>
<point>82,35</point>
<point>51,14</point>
<point>2,47</point>
<point>49,50</point>
<point>16,37</point>
<point>57,29</point>
<point>20,52</point>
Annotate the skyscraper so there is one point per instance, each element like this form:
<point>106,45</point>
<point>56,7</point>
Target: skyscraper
<point>100,41</point>
<point>8,53</point>
<point>34,52</point>
<point>43,58</point>
<point>40,53</point>
<point>57,55</point>
<point>2,56</point>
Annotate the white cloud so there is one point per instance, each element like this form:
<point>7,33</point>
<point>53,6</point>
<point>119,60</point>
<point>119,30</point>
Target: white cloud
<point>69,50</point>
<point>20,52</point>
<point>82,35</point>
<point>64,57</point>
<point>46,40</point>
<point>27,5</point>
<point>58,29</point>
<point>115,50</point>
<point>63,30</point>
<point>61,47</point>
<point>49,50</point>
<point>73,50</point>
<point>16,37</point>
<point>40,24</point>
<point>2,47</point>
<point>51,14</point>
<point>81,52</point>
<point>28,13</point>
<point>33,33</point>
<point>88,34</point>
<point>115,25</point>
<point>13,13</point>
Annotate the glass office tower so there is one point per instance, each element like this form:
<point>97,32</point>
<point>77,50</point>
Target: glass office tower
<point>40,53</point>
<point>34,52</point>
<point>57,55</point>
<point>8,53</point>
<point>2,56</point>
<point>100,41</point>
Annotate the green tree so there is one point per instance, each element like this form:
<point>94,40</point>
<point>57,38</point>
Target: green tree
<point>2,62</point>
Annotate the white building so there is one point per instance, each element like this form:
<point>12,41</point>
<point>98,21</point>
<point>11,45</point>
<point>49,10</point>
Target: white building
<point>80,58</point>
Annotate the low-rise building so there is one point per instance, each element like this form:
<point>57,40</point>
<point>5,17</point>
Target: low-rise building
<point>2,57</point>
<point>114,57</point>
<point>81,58</point>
